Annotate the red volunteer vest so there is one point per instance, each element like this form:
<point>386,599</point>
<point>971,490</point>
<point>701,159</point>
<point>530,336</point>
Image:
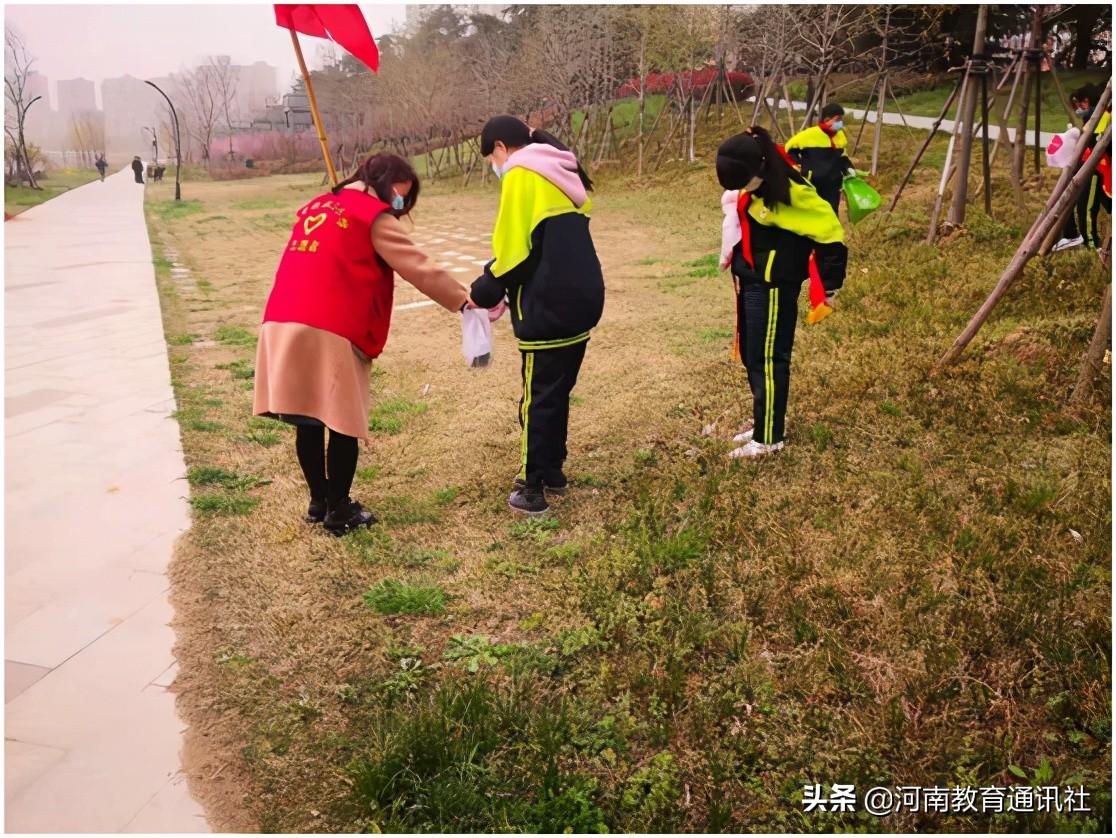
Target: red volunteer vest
<point>330,276</point>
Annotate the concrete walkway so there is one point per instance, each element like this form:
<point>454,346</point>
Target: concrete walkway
<point>95,499</point>
<point>924,123</point>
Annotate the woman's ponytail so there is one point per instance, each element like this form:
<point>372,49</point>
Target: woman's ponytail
<point>538,135</point>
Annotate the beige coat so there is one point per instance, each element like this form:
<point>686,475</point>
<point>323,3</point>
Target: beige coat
<point>303,371</point>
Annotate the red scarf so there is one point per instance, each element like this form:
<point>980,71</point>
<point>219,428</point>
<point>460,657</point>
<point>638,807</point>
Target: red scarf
<point>330,277</point>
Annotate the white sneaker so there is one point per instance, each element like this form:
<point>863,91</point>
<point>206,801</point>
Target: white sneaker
<point>745,436</point>
<point>1066,244</point>
<point>755,449</point>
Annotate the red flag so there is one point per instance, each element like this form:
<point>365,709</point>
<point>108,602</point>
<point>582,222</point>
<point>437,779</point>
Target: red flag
<point>343,24</point>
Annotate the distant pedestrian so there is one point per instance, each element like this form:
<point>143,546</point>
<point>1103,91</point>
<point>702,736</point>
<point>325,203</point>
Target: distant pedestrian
<point>820,151</point>
<point>101,164</point>
<point>137,167</point>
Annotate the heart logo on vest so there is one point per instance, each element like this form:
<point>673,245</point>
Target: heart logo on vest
<point>313,223</point>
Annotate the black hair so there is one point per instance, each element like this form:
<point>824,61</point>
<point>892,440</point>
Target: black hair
<point>753,153</point>
<point>831,110</point>
<point>514,133</point>
<point>379,172</point>
<point>1088,91</point>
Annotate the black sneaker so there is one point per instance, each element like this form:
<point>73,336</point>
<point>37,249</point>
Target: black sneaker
<point>348,516</point>
<point>529,500</point>
<point>555,483</point>
<point>316,512</point>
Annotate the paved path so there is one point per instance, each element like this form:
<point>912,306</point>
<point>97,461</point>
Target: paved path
<point>924,123</point>
<point>95,498</point>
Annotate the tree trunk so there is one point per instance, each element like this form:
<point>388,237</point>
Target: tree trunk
<point>1055,204</point>
<point>968,107</point>
<point>1094,355</point>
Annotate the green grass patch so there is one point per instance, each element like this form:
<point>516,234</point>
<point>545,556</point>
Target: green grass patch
<point>213,504</point>
<point>240,369</point>
<point>173,210</point>
<point>216,476</point>
<point>234,336</point>
<point>402,510</point>
<point>393,597</point>
<point>181,340</point>
<point>388,416</point>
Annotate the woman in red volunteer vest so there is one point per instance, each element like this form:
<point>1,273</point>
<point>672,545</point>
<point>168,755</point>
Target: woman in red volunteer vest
<point>328,316</point>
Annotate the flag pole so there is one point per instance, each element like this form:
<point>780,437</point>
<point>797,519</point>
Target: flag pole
<point>314,108</point>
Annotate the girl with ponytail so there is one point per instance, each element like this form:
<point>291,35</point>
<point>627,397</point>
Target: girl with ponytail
<point>776,229</point>
<point>547,268</point>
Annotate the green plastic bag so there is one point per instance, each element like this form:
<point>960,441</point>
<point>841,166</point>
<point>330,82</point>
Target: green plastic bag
<point>862,198</point>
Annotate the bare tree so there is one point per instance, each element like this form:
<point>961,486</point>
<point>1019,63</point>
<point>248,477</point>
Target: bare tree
<point>829,34</point>
<point>87,134</point>
<point>224,79</point>
<point>198,90</point>
<point>17,69</point>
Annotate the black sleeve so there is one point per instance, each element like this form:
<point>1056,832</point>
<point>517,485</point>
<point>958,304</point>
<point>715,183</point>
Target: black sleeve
<point>489,286</point>
<point>832,262</point>
<point>487,290</point>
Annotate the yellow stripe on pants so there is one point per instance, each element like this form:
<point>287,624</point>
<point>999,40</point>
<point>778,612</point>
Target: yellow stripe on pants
<point>769,365</point>
<point>524,411</point>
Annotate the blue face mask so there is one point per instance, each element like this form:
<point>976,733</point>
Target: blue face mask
<point>397,202</point>
<point>836,126</point>
<point>1082,112</point>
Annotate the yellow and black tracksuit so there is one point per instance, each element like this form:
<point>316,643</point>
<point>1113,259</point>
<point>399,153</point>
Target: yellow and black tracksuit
<point>547,267</point>
<point>770,263</point>
<point>1094,197</point>
<point>822,158</point>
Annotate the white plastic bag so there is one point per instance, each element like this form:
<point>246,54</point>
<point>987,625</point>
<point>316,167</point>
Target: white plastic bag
<point>1059,153</point>
<point>476,337</point>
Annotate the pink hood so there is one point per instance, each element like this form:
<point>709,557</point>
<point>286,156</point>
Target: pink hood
<point>557,166</point>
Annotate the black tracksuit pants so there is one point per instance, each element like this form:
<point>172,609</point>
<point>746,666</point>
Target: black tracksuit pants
<point>766,320</point>
<point>544,409</point>
<point>1083,220</point>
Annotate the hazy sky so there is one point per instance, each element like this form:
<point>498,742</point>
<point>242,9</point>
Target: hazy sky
<point>98,41</point>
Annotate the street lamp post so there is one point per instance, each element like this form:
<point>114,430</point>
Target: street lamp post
<point>177,146</point>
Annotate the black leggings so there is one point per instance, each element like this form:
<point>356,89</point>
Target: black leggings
<point>340,461</point>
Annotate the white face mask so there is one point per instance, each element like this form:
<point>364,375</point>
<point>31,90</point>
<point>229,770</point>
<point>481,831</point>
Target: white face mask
<point>496,170</point>
<point>754,184</point>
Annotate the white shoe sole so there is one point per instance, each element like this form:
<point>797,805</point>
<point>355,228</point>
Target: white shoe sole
<point>745,453</point>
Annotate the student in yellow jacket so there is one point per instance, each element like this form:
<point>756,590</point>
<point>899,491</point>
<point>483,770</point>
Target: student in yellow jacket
<point>820,152</point>
<point>780,221</point>
<point>1081,226</point>
<point>548,269</point>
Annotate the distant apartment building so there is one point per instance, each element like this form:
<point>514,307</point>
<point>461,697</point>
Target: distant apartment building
<point>129,106</point>
<point>76,96</point>
<point>257,87</point>
<point>39,127</point>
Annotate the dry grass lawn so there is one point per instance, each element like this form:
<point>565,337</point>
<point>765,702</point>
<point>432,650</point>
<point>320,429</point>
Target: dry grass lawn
<point>897,598</point>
